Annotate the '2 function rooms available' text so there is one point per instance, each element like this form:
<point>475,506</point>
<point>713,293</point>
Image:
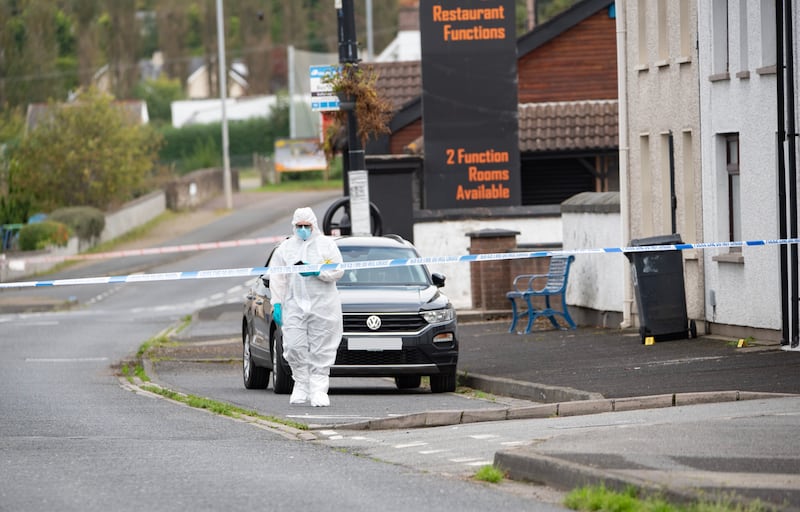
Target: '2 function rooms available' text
<point>487,174</point>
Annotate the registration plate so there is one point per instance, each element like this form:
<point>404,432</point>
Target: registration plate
<point>375,344</point>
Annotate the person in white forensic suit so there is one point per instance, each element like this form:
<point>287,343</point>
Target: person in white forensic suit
<point>308,308</point>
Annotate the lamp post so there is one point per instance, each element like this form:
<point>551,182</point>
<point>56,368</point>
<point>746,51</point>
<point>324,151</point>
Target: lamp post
<point>357,177</point>
<point>223,94</point>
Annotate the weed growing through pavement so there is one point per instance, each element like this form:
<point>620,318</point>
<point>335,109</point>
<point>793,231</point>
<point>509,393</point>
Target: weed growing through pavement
<point>489,474</point>
<point>598,498</point>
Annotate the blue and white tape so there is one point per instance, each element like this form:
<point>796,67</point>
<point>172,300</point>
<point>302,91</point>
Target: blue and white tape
<point>469,258</point>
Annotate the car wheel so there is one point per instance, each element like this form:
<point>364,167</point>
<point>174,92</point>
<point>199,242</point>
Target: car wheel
<point>255,377</point>
<point>444,382</point>
<point>282,382</point>
<point>407,381</point>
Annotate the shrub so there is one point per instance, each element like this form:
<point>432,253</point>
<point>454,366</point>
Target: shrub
<point>41,235</point>
<point>85,221</point>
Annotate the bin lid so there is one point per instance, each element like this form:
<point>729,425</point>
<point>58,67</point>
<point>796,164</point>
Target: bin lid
<point>672,239</point>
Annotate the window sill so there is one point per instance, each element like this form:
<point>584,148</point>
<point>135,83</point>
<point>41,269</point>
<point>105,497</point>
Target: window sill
<point>683,60</point>
<point>743,75</point>
<point>641,67</point>
<point>719,77</point>
<point>731,257</point>
<point>767,70</point>
<point>662,63</point>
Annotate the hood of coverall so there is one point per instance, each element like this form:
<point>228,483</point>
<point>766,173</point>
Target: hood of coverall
<point>305,215</point>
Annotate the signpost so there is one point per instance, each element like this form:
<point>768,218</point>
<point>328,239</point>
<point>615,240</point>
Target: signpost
<point>469,100</point>
<point>357,175</point>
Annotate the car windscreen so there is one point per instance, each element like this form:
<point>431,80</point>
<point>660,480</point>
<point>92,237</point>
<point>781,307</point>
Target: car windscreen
<point>414,275</point>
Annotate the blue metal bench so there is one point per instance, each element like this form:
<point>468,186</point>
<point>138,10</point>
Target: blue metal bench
<point>552,283</point>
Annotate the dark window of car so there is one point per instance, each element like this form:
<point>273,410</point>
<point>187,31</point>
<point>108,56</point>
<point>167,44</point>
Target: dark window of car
<point>414,275</point>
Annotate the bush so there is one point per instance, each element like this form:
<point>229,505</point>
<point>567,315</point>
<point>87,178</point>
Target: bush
<point>85,221</point>
<point>34,237</point>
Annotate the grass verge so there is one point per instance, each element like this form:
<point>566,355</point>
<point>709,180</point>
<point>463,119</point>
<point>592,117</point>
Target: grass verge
<point>131,370</point>
<point>598,498</point>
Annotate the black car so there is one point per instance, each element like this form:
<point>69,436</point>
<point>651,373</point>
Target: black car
<point>397,323</point>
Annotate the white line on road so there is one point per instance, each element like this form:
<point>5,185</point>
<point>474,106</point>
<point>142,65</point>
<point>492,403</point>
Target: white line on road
<point>65,359</point>
<point>410,445</point>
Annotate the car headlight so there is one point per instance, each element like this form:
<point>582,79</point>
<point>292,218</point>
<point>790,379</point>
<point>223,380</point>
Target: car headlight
<point>438,316</point>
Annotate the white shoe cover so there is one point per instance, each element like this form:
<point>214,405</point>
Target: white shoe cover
<point>318,385</point>
<point>320,399</point>
<point>299,393</point>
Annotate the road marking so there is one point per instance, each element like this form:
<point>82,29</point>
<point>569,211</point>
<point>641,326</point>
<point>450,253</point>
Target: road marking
<point>65,359</point>
<point>484,436</point>
<point>461,460</point>
<point>410,445</point>
<point>514,443</point>
<point>431,452</point>
<point>481,463</point>
<point>328,432</point>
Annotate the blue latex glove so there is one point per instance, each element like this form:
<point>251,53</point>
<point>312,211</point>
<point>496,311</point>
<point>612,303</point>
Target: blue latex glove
<point>277,314</point>
<point>309,274</point>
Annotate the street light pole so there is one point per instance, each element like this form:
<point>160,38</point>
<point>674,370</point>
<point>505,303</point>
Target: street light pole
<point>357,177</point>
<point>223,95</point>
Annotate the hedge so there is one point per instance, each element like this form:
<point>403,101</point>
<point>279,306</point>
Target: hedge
<point>85,221</point>
<point>40,235</point>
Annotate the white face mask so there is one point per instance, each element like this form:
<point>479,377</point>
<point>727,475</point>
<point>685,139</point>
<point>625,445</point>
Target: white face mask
<point>303,232</point>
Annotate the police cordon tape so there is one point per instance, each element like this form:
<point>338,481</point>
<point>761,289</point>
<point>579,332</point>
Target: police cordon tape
<point>351,265</point>
<point>168,249</point>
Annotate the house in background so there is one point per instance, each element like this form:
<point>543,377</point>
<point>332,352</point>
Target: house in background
<point>660,131</point>
<point>567,134</point>
<point>737,45</point>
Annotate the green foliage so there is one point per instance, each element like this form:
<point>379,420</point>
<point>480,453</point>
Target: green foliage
<point>159,94</point>
<point>199,146</point>
<point>34,237</point>
<point>84,221</point>
<point>87,153</point>
<point>489,474</point>
<point>15,209</point>
<point>599,498</point>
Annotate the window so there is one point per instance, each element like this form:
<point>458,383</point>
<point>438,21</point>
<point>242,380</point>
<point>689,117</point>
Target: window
<point>743,47</point>
<point>689,194</point>
<point>663,29</point>
<point>719,42</point>
<point>768,37</point>
<point>642,31</point>
<point>734,188</point>
<point>686,30</point>
<point>646,190</point>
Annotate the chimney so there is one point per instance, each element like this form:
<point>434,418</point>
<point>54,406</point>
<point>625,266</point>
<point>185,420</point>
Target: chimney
<point>408,15</point>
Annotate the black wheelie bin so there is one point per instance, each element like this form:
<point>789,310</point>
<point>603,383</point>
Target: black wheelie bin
<point>660,291</point>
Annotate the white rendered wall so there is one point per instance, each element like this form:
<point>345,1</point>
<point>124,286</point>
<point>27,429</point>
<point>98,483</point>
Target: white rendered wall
<point>449,238</point>
<point>594,279</point>
<point>745,293</point>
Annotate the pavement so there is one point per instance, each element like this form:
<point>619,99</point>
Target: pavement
<point>584,372</point>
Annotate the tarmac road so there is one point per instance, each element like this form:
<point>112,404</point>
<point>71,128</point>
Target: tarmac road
<point>713,424</point>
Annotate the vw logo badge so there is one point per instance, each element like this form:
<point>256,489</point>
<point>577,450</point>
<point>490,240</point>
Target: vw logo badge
<point>373,322</point>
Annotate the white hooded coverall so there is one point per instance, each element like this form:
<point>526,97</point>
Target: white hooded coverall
<point>311,309</point>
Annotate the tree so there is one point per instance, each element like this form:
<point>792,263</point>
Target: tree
<point>172,21</point>
<point>256,43</point>
<point>88,153</point>
<point>86,13</point>
<point>28,52</point>
<point>159,95</point>
<point>122,37</point>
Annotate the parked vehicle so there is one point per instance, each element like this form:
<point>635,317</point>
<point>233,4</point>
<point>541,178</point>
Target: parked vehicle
<point>397,323</point>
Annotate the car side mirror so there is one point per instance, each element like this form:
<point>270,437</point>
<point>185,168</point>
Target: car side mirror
<point>265,280</point>
<point>438,279</point>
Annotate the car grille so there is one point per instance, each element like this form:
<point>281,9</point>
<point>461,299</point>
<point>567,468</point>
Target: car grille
<point>388,357</point>
<point>406,323</point>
